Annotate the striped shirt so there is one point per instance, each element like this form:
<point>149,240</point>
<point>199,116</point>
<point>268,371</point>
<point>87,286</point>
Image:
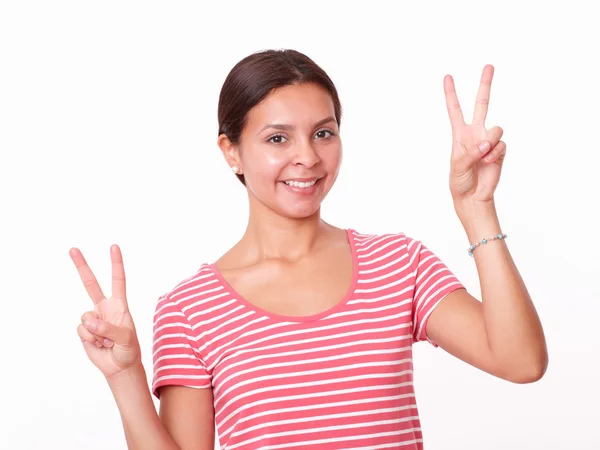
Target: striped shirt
<point>341,379</point>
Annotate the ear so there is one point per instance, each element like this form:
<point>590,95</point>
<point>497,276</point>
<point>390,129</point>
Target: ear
<point>230,152</point>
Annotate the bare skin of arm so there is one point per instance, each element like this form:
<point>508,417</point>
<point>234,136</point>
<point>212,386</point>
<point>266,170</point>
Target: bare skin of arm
<point>502,334</point>
<point>189,417</point>
<point>185,421</point>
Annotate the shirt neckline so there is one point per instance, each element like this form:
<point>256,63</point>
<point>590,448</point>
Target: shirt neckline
<point>284,318</point>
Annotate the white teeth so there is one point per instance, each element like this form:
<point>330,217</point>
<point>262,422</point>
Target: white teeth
<point>300,184</point>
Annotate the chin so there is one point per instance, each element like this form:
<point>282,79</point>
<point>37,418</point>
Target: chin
<point>299,212</point>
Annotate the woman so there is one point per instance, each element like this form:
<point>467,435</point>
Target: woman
<point>300,336</point>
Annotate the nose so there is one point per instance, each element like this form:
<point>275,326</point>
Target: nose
<point>305,154</point>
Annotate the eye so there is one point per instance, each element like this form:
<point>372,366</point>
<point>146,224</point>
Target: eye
<point>277,139</point>
<point>322,134</point>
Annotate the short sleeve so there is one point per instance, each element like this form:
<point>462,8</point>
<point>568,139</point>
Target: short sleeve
<point>432,282</point>
<point>175,354</point>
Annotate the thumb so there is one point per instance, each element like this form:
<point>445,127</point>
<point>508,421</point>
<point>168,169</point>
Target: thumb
<point>473,155</point>
<point>119,335</point>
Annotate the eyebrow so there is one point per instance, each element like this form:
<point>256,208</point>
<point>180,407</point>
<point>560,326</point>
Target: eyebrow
<point>286,127</point>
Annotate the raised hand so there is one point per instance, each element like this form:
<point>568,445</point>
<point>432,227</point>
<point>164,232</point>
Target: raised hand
<point>474,172</point>
<point>107,332</point>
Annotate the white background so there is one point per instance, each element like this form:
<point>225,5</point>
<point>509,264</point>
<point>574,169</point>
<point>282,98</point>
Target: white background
<point>108,135</point>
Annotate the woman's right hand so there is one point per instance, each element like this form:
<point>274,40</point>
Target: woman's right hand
<point>107,332</point>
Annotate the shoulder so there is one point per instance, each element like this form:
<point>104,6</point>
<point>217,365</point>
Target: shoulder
<point>387,246</point>
<point>397,238</point>
<point>200,282</point>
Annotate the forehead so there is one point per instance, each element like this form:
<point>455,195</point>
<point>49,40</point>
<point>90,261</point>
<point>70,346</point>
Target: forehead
<point>293,104</point>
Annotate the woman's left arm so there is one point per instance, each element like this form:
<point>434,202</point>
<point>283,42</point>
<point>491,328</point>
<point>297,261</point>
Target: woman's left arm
<point>502,334</point>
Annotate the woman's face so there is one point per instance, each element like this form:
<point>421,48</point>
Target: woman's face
<point>290,149</point>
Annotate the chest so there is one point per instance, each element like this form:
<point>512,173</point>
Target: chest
<point>301,288</point>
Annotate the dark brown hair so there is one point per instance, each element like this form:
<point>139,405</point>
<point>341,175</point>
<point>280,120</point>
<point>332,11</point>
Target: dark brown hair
<point>255,76</point>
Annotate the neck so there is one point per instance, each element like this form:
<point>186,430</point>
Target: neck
<point>272,236</point>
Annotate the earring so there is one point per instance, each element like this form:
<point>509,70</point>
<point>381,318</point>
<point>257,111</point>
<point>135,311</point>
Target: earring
<point>235,169</point>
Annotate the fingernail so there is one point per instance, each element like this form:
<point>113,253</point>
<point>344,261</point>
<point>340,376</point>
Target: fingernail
<point>484,146</point>
<point>98,344</point>
<point>90,325</point>
<point>108,343</point>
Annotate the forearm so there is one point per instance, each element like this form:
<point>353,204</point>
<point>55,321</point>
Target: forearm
<point>142,425</point>
<point>513,328</point>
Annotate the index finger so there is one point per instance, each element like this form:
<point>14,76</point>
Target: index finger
<point>452,104</point>
<point>87,276</point>
<point>483,95</point>
<point>118,273</point>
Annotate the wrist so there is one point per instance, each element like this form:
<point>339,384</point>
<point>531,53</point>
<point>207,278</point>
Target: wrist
<point>479,219</point>
<point>126,378</point>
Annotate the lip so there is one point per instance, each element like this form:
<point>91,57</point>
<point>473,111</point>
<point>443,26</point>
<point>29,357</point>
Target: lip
<point>303,192</point>
<point>302,180</point>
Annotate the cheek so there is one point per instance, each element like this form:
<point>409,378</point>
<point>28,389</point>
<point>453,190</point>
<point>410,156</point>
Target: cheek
<point>331,157</point>
<point>264,164</point>
<point>274,161</point>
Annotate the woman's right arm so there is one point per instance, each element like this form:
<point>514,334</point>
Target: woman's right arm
<point>186,415</point>
<point>110,341</point>
<point>143,427</point>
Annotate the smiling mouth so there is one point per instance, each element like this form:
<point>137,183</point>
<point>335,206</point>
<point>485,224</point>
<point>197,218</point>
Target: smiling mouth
<point>301,184</point>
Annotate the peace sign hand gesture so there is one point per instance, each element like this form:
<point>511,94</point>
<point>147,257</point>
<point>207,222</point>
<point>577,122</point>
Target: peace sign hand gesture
<point>108,333</point>
<point>475,171</point>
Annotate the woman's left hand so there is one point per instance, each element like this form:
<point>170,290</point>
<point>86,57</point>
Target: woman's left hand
<point>474,173</point>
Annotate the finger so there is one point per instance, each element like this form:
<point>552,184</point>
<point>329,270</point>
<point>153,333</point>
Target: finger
<point>480,150</point>
<point>87,276</point>
<point>92,316</point>
<point>494,135</point>
<point>118,273</point>
<point>102,329</point>
<point>87,337</point>
<point>483,96</point>
<point>497,153</point>
<point>452,104</point>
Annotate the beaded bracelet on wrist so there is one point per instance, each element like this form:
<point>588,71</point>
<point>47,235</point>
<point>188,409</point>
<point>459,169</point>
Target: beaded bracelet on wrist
<point>485,241</point>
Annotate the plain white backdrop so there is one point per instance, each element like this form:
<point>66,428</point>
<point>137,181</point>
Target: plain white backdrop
<point>108,135</point>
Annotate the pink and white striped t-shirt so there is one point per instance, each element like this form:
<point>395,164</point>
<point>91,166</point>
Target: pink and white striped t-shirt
<point>341,379</point>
